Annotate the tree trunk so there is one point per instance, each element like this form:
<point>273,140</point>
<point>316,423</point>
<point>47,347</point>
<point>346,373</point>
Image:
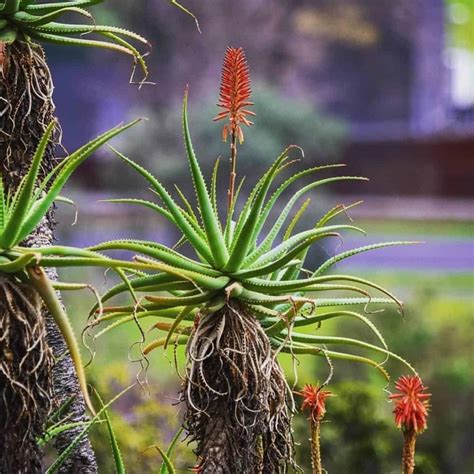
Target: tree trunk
<point>25,377</point>
<point>26,108</point>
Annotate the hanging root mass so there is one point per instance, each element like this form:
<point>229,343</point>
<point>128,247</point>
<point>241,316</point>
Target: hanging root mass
<point>25,371</point>
<point>26,109</point>
<point>236,395</point>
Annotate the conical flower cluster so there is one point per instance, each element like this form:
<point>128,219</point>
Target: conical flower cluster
<point>235,93</point>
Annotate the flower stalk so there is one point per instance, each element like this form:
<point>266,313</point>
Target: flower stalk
<point>408,455</point>
<point>316,461</point>
<point>233,165</point>
<point>411,413</point>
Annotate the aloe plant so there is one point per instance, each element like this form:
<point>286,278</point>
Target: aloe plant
<point>26,90</point>
<point>242,299</point>
<point>26,370</point>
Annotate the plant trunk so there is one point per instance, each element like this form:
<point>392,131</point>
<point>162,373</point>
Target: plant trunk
<point>236,397</point>
<point>25,377</point>
<point>26,109</point>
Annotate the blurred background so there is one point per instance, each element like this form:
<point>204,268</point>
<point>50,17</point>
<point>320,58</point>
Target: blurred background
<point>384,87</point>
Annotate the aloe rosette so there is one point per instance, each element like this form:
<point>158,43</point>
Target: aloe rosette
<point>30,20</point>
<point>21,212</point>
<point>241,300</point>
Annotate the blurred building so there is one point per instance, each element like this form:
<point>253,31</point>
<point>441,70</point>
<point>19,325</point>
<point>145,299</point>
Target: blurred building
<point>409,97</point>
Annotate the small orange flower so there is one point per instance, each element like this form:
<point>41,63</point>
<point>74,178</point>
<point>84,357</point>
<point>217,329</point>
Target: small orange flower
<point>235,93</point>
<point>315,400</point>
<point>411,404</point>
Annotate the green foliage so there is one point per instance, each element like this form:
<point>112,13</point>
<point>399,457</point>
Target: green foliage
<point>63,456</point>
<point>22,211</point>
<point>235,259</point>
<point>29,19</point>
<point>118,458</point>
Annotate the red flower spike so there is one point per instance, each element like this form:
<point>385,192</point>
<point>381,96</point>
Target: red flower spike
<point>411,404</point>
<point>235,93</point>
<point>315,400</point>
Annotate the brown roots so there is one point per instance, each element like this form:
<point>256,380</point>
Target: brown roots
<point>25,377</point>
<point>26,109</point>
<point>236,397</point>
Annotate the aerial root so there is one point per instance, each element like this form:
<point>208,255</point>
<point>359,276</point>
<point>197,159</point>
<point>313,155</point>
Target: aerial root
<point>26,109</point>
<point>236,396</point>
<point>25,377</point>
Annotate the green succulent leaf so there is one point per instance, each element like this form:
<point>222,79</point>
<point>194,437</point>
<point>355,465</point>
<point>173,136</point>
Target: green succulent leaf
<point>32,214</point>
<point>28,20</point>
<point>209,217</point>
<point>179,218</point>
<point>22,201</point>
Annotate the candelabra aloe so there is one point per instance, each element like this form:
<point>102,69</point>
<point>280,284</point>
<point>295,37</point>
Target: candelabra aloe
<point>27,109</point>
<point>25,362</point>
<point>239,303</point>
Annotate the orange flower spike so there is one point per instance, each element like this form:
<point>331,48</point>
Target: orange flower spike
<point>411,404</point>
<point>234,101</point>
<point>314,398</point>
<point>235,93</point>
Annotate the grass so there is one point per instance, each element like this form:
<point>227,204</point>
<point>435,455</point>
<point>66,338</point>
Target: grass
<point>418,229</point>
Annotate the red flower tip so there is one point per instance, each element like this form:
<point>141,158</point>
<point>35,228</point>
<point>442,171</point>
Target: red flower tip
<point>411,404</point>
<point>235,93</point>
<point>314,398</point>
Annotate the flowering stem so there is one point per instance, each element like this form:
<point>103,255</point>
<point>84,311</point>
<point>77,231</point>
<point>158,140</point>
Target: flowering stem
<point>408,457</point>
<point>316,445</point>
<point>233,168</point>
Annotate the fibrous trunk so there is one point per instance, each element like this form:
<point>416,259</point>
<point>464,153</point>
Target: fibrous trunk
<point>25,377</point>
<point>26,109</point>
<point>236,396</point>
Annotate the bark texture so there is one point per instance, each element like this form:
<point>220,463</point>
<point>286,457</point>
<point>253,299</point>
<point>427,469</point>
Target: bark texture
<point>25,377</point>
<point>26,108</point>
